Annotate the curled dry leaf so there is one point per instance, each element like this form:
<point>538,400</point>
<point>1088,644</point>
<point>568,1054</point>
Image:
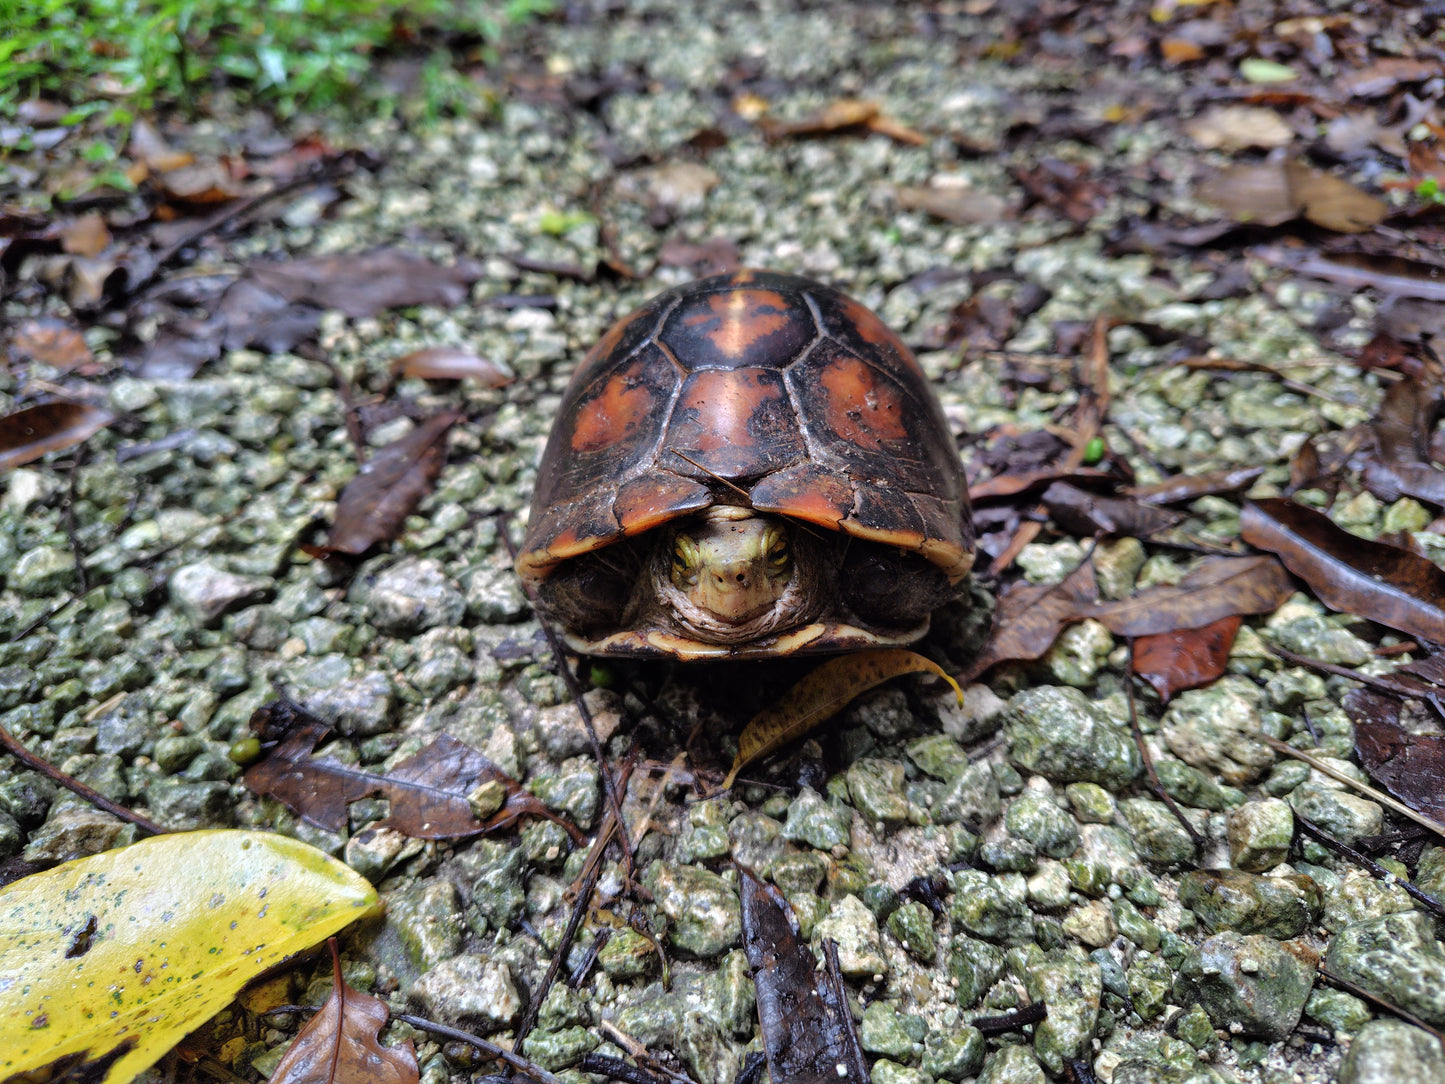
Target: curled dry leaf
<point>1239,127</point>
<point>1081,512</point>
<point>28,434</point>
<point>342,1042</point>
<point>375,503</point>
<point>1189,487</point>
<point>840,117</point>
<point>1393,586</point>
<point>452,363</point>
<point>803,1014</point>
<point>431,792</point>
<point>823,693</point>
<point>1399,466</point>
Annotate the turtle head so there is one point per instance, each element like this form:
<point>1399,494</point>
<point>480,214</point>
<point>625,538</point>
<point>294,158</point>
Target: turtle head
<point>731,564</point>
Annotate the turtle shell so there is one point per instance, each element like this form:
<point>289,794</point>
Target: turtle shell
<point>758,388</point>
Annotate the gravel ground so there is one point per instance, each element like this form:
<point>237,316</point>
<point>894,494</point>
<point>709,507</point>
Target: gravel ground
<point>202,603</point>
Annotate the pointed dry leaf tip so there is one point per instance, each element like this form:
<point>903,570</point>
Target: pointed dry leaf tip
<point>28,434</point>
<point>342,1042</point>
<point>71,983</point>
<point>821,695</point>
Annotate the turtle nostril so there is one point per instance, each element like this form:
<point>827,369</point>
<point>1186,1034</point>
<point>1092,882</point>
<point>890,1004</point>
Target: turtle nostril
<point>742,577</point>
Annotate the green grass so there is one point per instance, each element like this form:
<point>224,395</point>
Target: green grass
<point>129,55</point>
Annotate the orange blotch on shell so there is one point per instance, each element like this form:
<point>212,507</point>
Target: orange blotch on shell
<point>741,318</point>
<point>805,492</point>
<point>862,408</point>
<point>612,415</point>
<point>876,333</point>
<point>725,401</point>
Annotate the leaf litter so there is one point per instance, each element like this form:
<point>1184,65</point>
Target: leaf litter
<point>447,790</point>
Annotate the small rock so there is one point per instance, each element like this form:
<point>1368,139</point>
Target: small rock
<point>1060,734</point>
<point>890,1072</point>
<point>882,1032</point>
<point>813,820</point>
<point>1231,899</point>
<point>972,798</point>
<point>973,967</point>
<point>1337,1010</point>
<point>204,592</point>
<point>412,595</point>
<point>703,908</point>
<point>1072,991</point>
<point>75,832</point>
<point>1011,1064</point>
<point>558,1050</point>
<point>1092,923</point>
<point>953,1054</point>
<point>1390,1052</point>
<point>1156,832</point>
<point>1035,818</point>
<point>358,706</point>
<point>983,907</point>
<point>494,596</point>
<point>860,948</point>
<point>1217,729</point>
<point>912,925</point>
<point>1397,958</point>
<point>876,790</point>
<point>45,570</point>
<point>627,954</point>
<point>1260,834</point>
<point>1251,985</point>
<point>1345,816</point>
<point>1091,803</point>
<point>470,988</point>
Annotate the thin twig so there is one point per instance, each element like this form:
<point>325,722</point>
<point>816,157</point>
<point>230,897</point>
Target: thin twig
<point>1154,783</point>
<point>1424,899</point>
<point>609,788</point>
<point>12,746</point>
<point>516,1061</point>
<point>586,882</point>
<point>1375,999</point>
<point>1364,788</point>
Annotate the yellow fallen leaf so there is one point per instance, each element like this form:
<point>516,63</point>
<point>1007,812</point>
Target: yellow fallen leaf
<point>821,695</point>
<point>145,943</point>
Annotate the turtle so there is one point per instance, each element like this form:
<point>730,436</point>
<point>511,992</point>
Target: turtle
<point>750,465</point>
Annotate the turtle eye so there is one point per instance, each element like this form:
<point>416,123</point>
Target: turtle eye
<point>684,561</point>
<point>776,541</point>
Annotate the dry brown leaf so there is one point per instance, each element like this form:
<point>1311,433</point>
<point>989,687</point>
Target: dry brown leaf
<point>1239,127</point>
<point>1335,204</point>
<point>375,503</point>
<point>86,236</point>
<point>1399,589</point>
<point>28,434</point>
<point>341,1044</point>
<point>452,363</point>
<point>822,694</point>
<point>962,206</point>
<point>50,341</point>
<point>431,793</point>
<point>1185,658</point>
<point>807,1030</point>
<point>1218,587</point>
